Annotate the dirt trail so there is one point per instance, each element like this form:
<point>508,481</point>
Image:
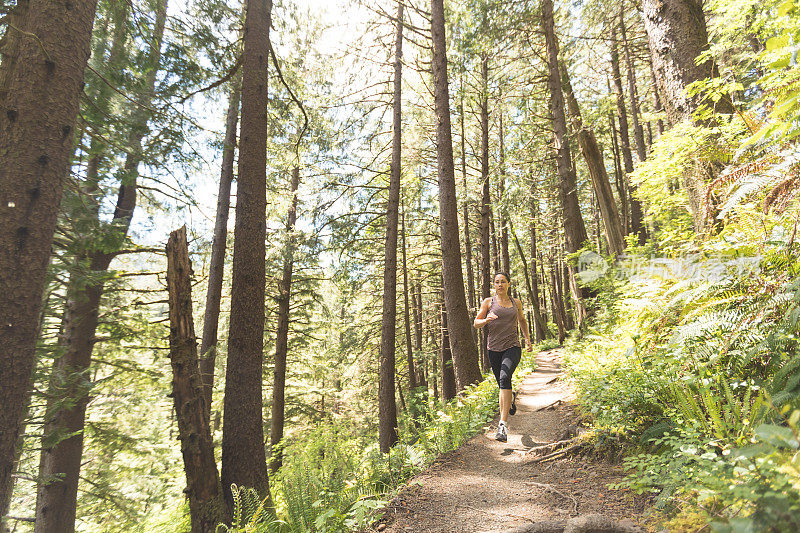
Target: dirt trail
<point>487,485</point>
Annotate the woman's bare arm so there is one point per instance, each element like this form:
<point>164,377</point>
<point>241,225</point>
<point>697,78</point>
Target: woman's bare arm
<point>484,317</point>
<point>523,323</point>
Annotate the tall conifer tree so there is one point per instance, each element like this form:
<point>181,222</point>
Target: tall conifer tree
<point>41,80</point>
<point>244,460</point>
<point>465,355</point>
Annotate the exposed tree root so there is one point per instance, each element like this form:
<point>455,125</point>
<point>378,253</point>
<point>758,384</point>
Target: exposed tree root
<point>551,488</point>
<point>549,405</point>
<point>556,450</point>
<point>549,448</point>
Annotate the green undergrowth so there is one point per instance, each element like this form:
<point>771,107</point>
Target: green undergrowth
<point>334,479</point>
<point>698,367</point>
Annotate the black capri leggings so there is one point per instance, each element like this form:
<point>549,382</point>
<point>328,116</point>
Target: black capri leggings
<point>503,365</point>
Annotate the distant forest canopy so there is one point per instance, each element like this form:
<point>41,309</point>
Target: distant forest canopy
<point>351,177</point>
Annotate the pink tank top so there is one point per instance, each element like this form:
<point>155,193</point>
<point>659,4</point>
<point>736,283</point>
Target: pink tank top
<point>501,333</point>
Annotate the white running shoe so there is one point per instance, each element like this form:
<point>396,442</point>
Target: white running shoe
<point>502,433</point>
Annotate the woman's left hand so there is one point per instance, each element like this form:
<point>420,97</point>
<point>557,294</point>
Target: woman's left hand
<point>528,345</point>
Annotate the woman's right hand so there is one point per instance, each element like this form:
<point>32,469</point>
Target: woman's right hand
<point>491,316</point>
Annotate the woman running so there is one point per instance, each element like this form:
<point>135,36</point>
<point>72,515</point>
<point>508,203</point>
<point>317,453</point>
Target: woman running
<point>501,314</point>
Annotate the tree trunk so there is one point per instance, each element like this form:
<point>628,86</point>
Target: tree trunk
<point>597,172</point>
<point>416,307</point>
<point>277,417</point>
<point>472,304</point>
<point>657,107</point>
<point>412,378</point>
<point>638,134</point>
<point>505,263</point>
<point>635,213</point>
<point>540,329</point>
<point>638,131</point>
<point>244,460</point>
<point>563,286</point>
<point>618,175</point>
<point>495,249</point>
<point>486,199</point>
<point>557,304</point>
<point>41,81</point>
<point>60,459</point>
<point>485,240</point>
<point>677,34</point>
<point>448,375</point>
<point>434,375</point>
<point>544,288</point>
<point>622,112</point>
<point>208,346</point>
<point>574,227</point>
<point>387,409</point>
<point>465,355</point>
<point>112,69</point>
<point>197,447</point>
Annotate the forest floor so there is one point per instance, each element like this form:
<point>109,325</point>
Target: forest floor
<point>486,485</point>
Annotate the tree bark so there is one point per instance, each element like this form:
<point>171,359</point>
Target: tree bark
<point>485,208</point>
<point>622,112</point>
<point>197,447</point>
<point>472,303</point>
<point>465,355</point>
<point>597,172</point>
<point>60,460</point>
<point>277,418</point>
<point>618,175</point>
<point>657,106</point>
<point>244,460</point>
<point>563,286</point>
<point>557,303</point>
<point>574,227</point>
<point>446,360</point>
<point>434,375</point>
<point>412,377</point>
<point>416,308</point>
<point>635,207</point>
<point>505,263</point>
<point>540,329</point>
<point>486,199</point>
<point>41,81</point>
<point>677,34</point>
<point>638,134</point>
<point>387,408</point>
<point>638,131</point>
<point>495,248</point>
<point>216,269</point>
